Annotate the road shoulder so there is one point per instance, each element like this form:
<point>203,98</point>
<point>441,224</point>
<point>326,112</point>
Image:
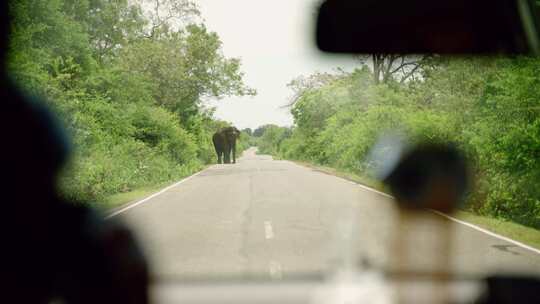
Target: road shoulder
<point>528,236</point>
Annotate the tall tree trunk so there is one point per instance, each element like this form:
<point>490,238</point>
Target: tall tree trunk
<point>376,69</point>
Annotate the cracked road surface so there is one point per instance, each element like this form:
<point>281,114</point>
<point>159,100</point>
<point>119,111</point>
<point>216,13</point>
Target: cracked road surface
<point>274,219</point>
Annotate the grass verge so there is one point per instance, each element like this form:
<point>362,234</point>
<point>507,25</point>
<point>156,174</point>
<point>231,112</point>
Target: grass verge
<point>120,199</point>
<point>520,233</point>
<point>345,175</point>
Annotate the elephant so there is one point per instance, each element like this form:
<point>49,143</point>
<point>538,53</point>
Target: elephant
<point>225,142</point>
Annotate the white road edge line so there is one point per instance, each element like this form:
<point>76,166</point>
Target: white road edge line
<point>373,190</point>
<point>493,234</point>
<point>488,232</point>
<point>151,196</point>
<point>268,232</point>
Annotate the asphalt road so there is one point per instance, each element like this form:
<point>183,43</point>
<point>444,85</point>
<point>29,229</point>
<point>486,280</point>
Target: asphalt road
<point>271,218</point>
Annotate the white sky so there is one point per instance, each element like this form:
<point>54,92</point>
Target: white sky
<point>274,39</point>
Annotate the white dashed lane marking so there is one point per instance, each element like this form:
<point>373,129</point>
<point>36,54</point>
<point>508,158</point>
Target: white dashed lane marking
<point>274,267</point>
<point>268,231</point>
<point>275,270</point>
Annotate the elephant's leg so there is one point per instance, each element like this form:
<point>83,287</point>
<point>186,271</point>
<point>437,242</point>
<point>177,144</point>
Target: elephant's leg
<point>218,146</point>
<point>227,155</point>
<point>234,154</point>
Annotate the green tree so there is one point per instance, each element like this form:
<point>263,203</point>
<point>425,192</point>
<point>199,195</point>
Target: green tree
<point>183,68</point>
<point>128,83</point>
<point>489,106</point>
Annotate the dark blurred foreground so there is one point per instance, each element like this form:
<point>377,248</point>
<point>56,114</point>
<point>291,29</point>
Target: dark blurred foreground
<point>53,249</point>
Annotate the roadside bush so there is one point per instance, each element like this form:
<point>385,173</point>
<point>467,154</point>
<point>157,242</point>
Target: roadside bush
<point>132,101</point>
<point>118,151</point>
<point>271,139</point>
<point>244,142</point>
<point>161,130</point>
<point>487,106</point>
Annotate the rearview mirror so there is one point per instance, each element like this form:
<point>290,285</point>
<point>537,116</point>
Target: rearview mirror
<point>428,26</point>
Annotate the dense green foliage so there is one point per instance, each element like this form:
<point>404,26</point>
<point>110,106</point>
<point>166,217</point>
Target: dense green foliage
<point>129,85</point>
<point>490,107</point>
<point>244,142</point>
<point>268,138</point>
